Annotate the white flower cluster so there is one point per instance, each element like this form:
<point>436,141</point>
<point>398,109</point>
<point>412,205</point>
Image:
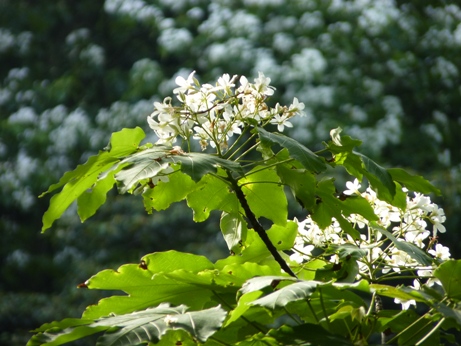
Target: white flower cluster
<point>383,258</point>
<point>213,114</point>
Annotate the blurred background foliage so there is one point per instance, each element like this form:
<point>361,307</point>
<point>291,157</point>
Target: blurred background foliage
<point>72,72</point>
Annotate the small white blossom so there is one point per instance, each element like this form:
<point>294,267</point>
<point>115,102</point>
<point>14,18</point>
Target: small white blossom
<point>441,252</point>
<point>405,303</point>
<point>352,188</point>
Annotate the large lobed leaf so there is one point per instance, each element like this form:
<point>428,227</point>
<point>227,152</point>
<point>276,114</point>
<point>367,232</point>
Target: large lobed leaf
<point>85,176</point>
<point>138,327</point>
<point>147,284</point>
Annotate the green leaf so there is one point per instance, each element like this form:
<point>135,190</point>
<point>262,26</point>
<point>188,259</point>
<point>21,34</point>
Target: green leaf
<point>140,166</point>
<point>152,324</point>
<point>307,334</point>
<point>164,194</point>
<point>259,339</point>
<point>145,326</point>
<point>242,306</point>
<point>264,193</point>
<point>176,337</point>
<point>280,298</point>
<point>260,282</point>
<point>379,178</point>
<point>255,251</point>
<point>401,293</point>
<point>151,161</point>
<point>85,176</point>
<point>301,182</point>
<point>283,237</point>
<point>121,143</point>
<point>234,230</point>
<point>168,261</point>
<point>449,274</point>
<point>360,165</point>
<point>239,273</point>
<point>330,206</point>
<point>414,183</point>
<point>90,201</point>
<point>411,249</point>
<point>346,251</point>
<point>411,328</point>
<point>147,286</point>
<point>307,158</point>
<point>196,165</point>
<point>57,337</point>
<point>454,313</point>
<point>211,193</point>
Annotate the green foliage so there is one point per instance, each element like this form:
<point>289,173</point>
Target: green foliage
<point>272,289</point>
<point>75,71</point>
<point>148,325</point>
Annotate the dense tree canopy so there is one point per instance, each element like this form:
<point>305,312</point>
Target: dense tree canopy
<point>73,72</point>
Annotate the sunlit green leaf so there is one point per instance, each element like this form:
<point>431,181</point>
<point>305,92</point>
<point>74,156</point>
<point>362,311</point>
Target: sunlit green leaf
<point>162,195</point>
<point>280,298</point>
<point>211,193</point>
<point>234,230</point>
<point>265,196</point>
<point>146,286</point>
<point>84,176</point>
<point>90,201</point>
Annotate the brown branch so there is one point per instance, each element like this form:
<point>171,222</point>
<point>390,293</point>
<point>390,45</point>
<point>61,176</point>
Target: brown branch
<point>257,226</point>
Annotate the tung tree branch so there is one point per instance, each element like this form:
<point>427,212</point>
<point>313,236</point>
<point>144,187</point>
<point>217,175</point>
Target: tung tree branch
<point>257,226</point>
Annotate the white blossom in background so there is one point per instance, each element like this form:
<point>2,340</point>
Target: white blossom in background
<point>6,40</point>
<point>136,9</point>
<point>93,54</point>
<point>175,39</point>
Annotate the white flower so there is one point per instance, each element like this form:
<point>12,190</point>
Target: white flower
<point>262,85</point>
<point>301,253</point>
<point>352,187</point>
<point>441,252</point>
<point>184,84</point>
<point>225,83</point>
<point>405,303</point>
<point>297,107</point>
<point>281,122</point>
<point>438,217</point>
<point>417,238</point>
